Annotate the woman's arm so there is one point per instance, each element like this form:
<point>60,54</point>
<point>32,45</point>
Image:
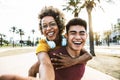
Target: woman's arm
<point>34,69</point>
<point>46,69</point>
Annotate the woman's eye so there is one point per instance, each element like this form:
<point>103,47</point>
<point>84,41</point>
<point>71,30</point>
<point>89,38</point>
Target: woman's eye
<point>44,26</point>
<point>53,24</point>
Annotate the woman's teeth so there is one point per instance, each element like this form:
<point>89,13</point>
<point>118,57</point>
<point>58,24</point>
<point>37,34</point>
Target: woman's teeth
<point>50,34</point>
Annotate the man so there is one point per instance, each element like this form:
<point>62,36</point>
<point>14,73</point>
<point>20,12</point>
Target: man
<point>76,35</point>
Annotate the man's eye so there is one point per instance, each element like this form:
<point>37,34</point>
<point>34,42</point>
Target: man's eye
<point>82,33</point>
<point>72,33</point>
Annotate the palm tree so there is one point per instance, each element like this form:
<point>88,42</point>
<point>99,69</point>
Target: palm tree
<point>33,31</point>
<point>89,5</point>
<point>13,29</point>
<point>21,32</point>
<point>1,39</point>
<point>107,36</point>
<point>97,38</point>
<point>74,6</point>
<point>28,41</point>
<point>116,29</point>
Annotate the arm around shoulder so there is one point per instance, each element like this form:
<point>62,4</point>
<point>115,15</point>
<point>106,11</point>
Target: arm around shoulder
<point>84,58</point>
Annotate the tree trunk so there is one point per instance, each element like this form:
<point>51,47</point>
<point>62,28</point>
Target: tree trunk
<point>76,15</point>
<point>91,39</point>
<point>21,40</point>
<point>1,40</point>
<point>13,40</point>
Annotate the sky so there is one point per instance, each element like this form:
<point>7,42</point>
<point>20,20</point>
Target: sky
<point>23,14</point>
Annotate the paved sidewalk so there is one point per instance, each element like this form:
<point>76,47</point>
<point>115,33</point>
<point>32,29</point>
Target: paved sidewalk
<point>19,64</point>
<point>92,74</point>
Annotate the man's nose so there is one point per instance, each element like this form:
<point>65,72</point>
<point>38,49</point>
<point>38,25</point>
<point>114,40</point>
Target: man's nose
<point>78,36</point>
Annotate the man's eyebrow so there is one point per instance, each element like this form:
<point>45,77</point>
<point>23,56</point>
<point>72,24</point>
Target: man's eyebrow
<point>79,31</point>
<point>82,31</point>
<point>72,31</point>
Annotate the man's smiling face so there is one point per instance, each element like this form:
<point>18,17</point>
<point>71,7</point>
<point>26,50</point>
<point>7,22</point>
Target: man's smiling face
<point>76,37</point>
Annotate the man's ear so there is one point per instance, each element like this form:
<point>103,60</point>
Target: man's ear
<point>86,35</point>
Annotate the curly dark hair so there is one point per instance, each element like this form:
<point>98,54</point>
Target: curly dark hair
<point>56,14</point>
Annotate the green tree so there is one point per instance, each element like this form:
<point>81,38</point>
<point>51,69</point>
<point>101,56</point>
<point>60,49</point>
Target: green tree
<point>6,42</point>
<point>29,41</point>
<point>1,39</point>
<point>116,29</point>
<point>21,33</point>
<point>97,38</point>
<point>74,6</point>
<point>14,30</point>
<point>33,31</point>
<point>107,37</point>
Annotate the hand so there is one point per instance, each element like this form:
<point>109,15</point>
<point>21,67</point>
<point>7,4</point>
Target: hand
<point>34,69</point>
<point>16,77</point>
<point>63,61</point>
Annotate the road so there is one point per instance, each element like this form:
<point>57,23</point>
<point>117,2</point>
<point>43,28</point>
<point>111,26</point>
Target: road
<point>19,64</point>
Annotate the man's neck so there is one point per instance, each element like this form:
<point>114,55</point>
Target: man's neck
<point>72,52</point>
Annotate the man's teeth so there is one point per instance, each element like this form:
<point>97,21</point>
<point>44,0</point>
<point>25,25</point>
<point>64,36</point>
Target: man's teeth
<point>77,43</point>
<point>50,34</point>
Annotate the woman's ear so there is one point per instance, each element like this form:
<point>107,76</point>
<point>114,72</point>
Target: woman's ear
<point>65,35</point>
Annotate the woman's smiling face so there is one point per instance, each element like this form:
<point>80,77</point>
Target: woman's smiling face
<point>49,28</point>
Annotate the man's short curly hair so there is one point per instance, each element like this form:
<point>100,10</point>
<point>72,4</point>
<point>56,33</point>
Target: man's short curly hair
<point>56,14</point>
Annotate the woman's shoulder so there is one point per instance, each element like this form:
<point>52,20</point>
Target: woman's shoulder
<point>42,40</point>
